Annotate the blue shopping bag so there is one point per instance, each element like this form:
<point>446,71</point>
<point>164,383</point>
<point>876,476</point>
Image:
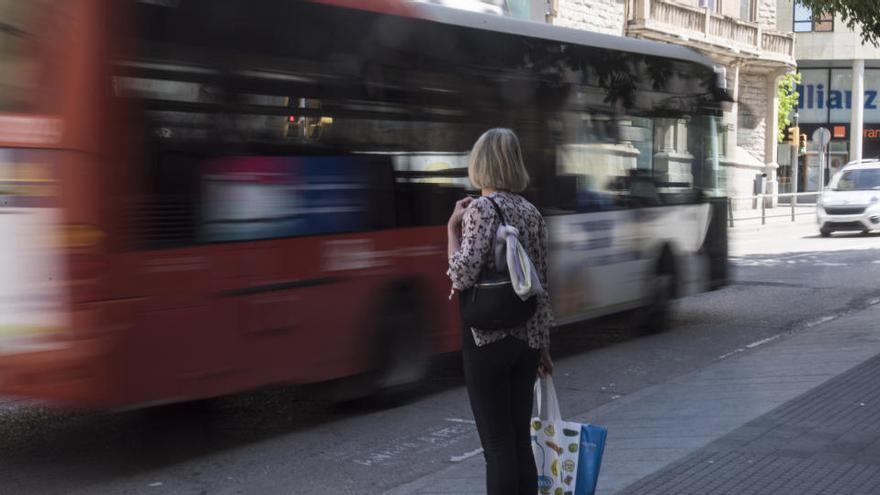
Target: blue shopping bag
<point>590,458</point>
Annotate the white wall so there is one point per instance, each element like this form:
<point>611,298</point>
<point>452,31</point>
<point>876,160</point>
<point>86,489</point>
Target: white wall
<point>601,16</point>
<point>767,14</point>
<point>752,118</point>
<point>842,44</point>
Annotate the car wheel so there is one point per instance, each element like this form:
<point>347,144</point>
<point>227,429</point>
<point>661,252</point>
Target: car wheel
<point>825,232</point>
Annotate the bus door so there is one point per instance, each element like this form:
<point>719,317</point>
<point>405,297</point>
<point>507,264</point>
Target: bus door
<point>32,269</point>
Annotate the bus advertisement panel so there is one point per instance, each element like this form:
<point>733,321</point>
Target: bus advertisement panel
<point>246,198</point>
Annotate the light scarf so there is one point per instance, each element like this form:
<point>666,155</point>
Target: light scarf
<point>508,251</point>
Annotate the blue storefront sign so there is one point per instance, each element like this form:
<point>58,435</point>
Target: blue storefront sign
<point>826,96</point>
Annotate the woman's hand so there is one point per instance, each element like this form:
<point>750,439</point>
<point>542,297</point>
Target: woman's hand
<point>458,213</point>
<point>545,364</point>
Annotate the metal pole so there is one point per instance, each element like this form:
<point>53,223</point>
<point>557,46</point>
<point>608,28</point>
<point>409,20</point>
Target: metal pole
<point>763,210</point>
<point>730,211</point>
<point>795,152</point>
<point>858,110</point>
<point>793,199</point>
<point>828,162</point>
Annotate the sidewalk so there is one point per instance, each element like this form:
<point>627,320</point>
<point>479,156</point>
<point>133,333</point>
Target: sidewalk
<point>778,215</point>
<point>801,237</point>
<point>825,441</point>
<point>710,431</point>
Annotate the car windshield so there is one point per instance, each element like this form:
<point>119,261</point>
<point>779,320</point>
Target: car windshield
<point>858,180</point>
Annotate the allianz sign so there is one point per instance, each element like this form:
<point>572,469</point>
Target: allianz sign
<point>815,96</point>
<point>826,96</point>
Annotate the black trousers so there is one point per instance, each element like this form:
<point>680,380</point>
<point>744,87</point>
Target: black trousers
<point>500,378</point>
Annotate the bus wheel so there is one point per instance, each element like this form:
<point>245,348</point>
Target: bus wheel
<point>401,354</point>
<point>655,316</point>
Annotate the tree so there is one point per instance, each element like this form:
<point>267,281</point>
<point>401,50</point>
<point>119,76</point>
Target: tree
<point>788,99</point>
<point>864,14</point>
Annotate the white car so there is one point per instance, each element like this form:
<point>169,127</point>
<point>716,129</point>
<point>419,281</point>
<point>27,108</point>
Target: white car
<point>852,200</point>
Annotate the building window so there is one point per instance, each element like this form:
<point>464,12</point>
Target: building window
<point>713,5</point>
<point>804,22</point>
<point>747,10</point>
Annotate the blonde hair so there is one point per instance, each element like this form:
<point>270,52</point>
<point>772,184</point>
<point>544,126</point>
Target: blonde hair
<point>496,162</point>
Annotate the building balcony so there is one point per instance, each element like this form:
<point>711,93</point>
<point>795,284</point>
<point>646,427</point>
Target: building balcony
<point>723,37</point>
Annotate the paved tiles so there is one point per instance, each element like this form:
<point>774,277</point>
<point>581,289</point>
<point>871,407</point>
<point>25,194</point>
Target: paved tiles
<point>825,441</point>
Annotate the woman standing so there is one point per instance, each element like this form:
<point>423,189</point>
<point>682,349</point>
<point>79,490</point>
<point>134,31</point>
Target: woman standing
<point>500,365</point>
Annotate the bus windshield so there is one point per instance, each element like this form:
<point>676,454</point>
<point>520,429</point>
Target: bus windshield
<point>19,63</point>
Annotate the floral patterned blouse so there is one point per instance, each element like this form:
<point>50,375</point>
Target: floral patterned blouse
<point>478,228</point>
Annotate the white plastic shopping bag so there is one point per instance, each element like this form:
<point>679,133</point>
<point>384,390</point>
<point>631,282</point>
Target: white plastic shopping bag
<point>567,454</point>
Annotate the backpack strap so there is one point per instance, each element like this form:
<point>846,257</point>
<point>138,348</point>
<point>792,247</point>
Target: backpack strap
<point>494,236</point>
<point>497,210</point>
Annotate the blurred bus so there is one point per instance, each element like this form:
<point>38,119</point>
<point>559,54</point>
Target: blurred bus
<point>199,197</point>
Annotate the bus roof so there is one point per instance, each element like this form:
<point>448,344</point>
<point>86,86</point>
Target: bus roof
<point>510,25</point>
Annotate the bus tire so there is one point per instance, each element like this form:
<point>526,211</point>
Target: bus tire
<point>655,316</point>
<point>401,354</point>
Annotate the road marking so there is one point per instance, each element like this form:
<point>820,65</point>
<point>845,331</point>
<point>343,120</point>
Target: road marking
<point>762,342</point>
<point>466,455</point>
<point>458,420</point>
<point>750,346</point>
<point>824,319</point>
<point>810,324</point>
<point>400,450</point>
<point>731,353</point>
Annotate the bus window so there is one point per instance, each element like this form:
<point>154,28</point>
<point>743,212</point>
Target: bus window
<point>427,185</point>
<point>417,169</point>
<point>647,162</point>
<point>20,63</point>
<point>624,135</point>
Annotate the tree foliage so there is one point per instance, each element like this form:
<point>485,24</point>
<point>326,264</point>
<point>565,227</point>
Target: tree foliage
<point>864,14</point>
<point>788,99</point>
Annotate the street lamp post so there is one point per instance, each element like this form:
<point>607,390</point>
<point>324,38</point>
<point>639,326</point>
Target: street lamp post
<point>794,162</point>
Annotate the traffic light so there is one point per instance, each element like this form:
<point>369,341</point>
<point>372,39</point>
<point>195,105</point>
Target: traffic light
<point>803,144</point>
<point>794,135</point>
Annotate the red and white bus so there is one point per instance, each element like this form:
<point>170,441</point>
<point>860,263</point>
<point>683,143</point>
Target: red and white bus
<point>199,197</point>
